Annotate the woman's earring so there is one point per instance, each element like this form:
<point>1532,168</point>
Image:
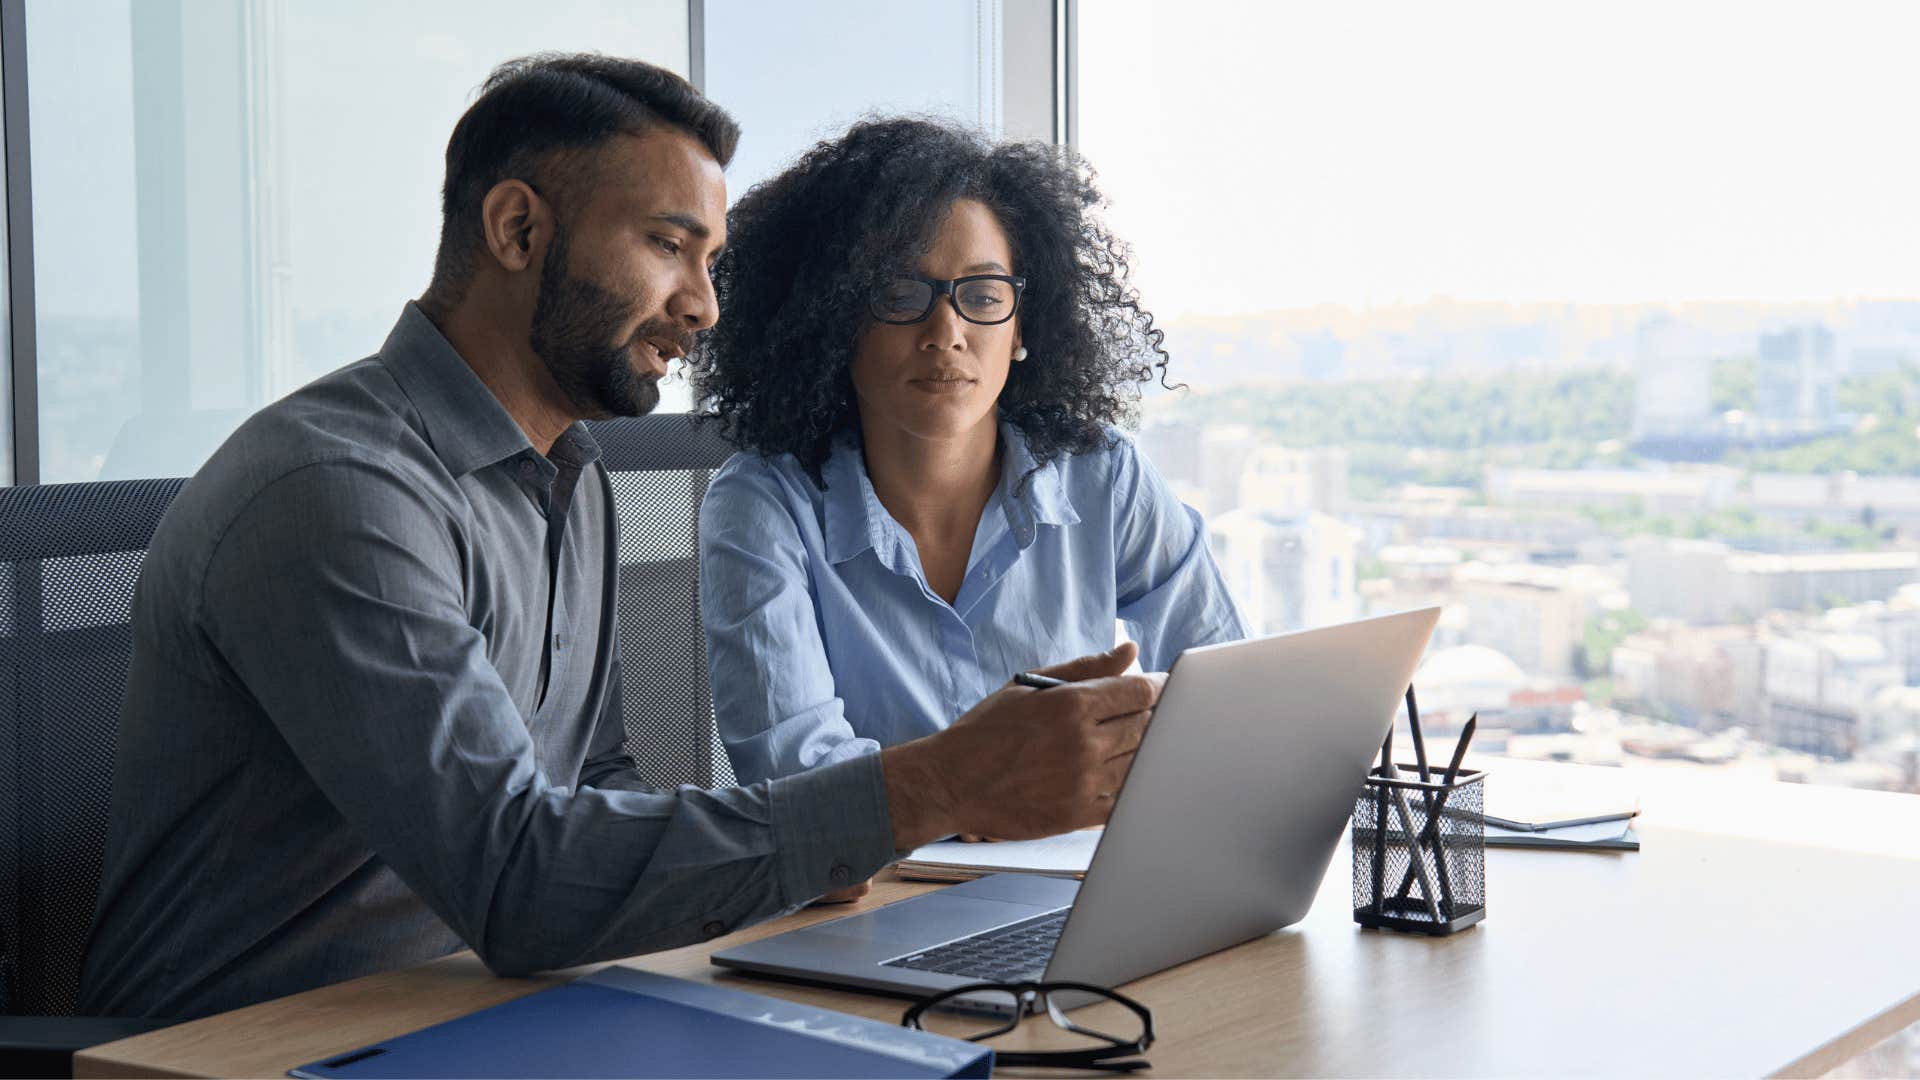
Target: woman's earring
<point>1019,354</point>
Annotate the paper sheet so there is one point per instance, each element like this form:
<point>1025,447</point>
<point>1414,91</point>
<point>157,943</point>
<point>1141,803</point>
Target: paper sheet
<point>1539,796</point>
<point>1068,853</point>
<point>1570,836</point>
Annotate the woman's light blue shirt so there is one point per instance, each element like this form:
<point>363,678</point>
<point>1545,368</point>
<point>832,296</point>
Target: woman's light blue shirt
<point>825,641</point>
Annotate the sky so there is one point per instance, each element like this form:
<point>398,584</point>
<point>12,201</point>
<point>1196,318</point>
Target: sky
<point>1278,155</point>
<point>1259,155</point>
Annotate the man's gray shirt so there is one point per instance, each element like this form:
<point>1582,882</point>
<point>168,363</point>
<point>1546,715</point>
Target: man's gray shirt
<point>374,714</point>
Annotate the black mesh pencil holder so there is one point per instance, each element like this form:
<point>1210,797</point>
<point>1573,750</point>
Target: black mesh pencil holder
<point>1420,853</point>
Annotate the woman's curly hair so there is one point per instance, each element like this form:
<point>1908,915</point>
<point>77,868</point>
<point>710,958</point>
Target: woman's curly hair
<point>807,248</point>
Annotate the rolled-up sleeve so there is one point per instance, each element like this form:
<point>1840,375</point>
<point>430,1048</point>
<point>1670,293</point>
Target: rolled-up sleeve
<point>357,644</point>
<point>1169,590</point>
<point>774,697</point>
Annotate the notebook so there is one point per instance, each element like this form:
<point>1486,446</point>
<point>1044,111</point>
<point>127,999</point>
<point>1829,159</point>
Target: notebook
<point>1063,856</point>
<point>1528,800</point>
<point>620,1022</point>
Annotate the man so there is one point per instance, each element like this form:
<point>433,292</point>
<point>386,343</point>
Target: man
<point>373,714</point>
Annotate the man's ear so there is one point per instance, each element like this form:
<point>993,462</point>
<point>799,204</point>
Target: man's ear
<point>515,222</point>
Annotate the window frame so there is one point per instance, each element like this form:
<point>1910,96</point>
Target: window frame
<point>1040,33</point>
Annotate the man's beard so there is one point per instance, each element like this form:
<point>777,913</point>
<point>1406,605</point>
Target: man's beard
<point>574,324</point>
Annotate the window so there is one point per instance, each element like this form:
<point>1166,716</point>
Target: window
<point>794,74</point>
<point>1596,326</point>
<point>232,197</point>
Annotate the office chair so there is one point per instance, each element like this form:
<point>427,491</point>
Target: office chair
<point>69,557</point>
<point>659,466</point>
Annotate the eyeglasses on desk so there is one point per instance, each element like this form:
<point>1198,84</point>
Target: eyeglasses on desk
<point>981,1011</point>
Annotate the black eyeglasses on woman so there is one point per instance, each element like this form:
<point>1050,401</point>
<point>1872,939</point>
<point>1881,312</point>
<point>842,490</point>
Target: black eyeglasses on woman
<point>986,299</point>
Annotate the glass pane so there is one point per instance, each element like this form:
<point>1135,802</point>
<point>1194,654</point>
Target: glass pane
<point>985,301</point>
<point>1593,329</point>
<point>232,197</point>
<point>902,300</point>
<point>836,64</point>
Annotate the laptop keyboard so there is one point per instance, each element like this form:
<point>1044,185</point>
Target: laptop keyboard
<point>1005,953</point>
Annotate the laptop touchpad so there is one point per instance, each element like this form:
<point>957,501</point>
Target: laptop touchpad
<point>928,920</point>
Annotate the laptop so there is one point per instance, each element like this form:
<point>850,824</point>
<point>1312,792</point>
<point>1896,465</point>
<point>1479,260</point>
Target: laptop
<point>1221,834</point>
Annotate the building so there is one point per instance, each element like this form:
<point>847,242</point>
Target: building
<point>1536,615</point>
<point>1706,677</point>
<point>1412,520</point>
<point>1677,579</point>
<point>1174,448</point>
<point>1453,684</point>
<point>1894,623</point>
<point>1893,715</point>
<point>1291,480</point>
<point>1288,571</point>
<point>1839,498</point>
<point>1817,688</point>
<point>1224,452</point>
<point>1672,382</point>
<point>1702,581</point>
<point>1798,497</point>
<point>1757,584</point>
<point>1793,384</point>
<point>1429,566</point>
<point>1640,491</point>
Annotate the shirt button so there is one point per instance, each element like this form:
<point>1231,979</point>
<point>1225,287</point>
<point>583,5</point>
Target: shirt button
<point>715,928</point>
<point>527,468</point>
<point>840,874</point>
<point>559,642</point>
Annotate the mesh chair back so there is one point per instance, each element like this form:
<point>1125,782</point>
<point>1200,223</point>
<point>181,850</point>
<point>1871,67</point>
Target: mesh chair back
<point>659,467</point>
<point>69,557</point>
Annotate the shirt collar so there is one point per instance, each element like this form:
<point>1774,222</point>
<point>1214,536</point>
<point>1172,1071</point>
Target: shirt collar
<point>1032,493</point>
<point>855,520</point>
<point>1034,490</point>
<point>465,424</point>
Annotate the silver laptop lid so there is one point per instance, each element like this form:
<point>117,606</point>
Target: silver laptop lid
<point>1238,796</point>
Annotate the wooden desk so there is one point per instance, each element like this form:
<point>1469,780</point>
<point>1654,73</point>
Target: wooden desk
<point>1704,953</point>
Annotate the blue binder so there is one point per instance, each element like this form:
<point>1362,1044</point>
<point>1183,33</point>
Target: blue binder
<point>626,1023</point>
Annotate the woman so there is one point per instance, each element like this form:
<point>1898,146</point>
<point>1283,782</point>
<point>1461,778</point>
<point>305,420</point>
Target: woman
<point>925,339</point>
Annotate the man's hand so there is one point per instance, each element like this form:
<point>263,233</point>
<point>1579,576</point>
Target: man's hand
<point>1025,763</point>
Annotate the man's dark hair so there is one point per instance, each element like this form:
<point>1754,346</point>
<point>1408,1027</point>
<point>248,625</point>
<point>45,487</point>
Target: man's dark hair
<point>807,248</point>
<point>532,121</point>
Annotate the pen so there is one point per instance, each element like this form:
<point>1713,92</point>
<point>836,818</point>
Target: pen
<point>1460,750</point>
<point>1419,742</point>
<point>1380,828</point>
<point>1432,837</point>
<point>1038,682</point>
<point>1413,844</point>
<point>1431,825</point>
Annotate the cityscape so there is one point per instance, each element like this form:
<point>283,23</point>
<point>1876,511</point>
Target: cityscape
<point>1663,535</point>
